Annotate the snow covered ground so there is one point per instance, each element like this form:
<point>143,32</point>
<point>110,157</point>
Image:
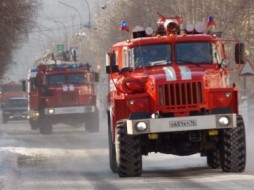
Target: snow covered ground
<point>11,149</point>
<point>8,161</point>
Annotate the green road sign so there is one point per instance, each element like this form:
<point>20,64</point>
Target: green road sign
<point>59,47</point>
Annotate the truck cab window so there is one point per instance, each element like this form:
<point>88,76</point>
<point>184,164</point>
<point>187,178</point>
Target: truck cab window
<point>150,55</point>
<point>12,88</point>
<point>56,79</point>
<point>76,78</point>
<point>125,57</point>
<point>33,83</point>
<point>194,52</point>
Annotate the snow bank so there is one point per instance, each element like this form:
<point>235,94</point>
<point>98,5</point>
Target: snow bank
<point>9,172</point>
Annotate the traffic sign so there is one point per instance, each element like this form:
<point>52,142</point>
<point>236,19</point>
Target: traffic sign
<point>59,47</point>
<point>247,70</point>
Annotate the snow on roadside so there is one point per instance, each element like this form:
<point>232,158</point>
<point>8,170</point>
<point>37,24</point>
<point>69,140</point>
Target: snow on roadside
<point>9,171</point>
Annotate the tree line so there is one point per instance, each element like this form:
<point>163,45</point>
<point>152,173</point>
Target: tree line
<point>16,20</point>
<point>233,17</point>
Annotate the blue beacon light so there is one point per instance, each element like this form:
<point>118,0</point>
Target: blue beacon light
<point>124,25</point>
<point>73,66</point>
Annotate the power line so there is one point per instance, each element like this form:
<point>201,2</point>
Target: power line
<point>52,29</point>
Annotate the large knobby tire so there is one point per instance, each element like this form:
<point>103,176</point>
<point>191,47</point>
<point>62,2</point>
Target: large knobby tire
<point>92,122</point>
<point>45,127</point>
<point>213,159</point>
<point>34,124</point>
<point>112,149</point>
<point>233,148</point>
<point>128,153</point>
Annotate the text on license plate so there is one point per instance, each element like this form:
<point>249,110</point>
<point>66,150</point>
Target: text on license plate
<point>186,123</point>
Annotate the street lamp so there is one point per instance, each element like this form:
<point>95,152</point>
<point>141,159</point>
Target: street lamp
<point>89,14</point>
<point>80,22</point>
<point>80,35</point>
<point>66,34</point>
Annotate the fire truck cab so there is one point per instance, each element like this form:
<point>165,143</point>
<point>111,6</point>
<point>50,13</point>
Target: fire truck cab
<point>170,92</point>
<point>9,90</point>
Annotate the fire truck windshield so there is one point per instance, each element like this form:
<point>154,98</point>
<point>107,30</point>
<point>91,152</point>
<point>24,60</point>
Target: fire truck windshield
<point>150,55</point>
<point>12,88</point>
<point>17,102</point>
<point>66,79</point>
<point>193,52</point>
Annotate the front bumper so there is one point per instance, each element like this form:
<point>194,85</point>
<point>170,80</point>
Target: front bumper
<point>16,116</point>
<point>69,110</point>
<point>177,124</point>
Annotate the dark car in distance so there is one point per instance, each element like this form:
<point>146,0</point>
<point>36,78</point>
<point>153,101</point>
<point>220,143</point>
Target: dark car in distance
<point>15,109</point>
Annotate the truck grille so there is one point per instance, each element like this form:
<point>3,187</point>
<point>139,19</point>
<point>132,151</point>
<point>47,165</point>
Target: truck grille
<point>180,95</point>
<point>69,98</point>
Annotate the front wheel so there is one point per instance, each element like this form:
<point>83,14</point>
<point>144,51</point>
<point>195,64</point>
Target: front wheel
<point>45,127</point>
<point>128,153</point>
<point>34,124</point>
<point>213,159</point>
<point>233,148</point>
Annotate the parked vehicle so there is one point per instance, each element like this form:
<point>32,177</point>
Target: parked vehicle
<point>16,108</point>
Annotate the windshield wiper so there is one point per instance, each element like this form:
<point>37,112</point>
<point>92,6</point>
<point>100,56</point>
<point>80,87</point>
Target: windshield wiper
<point>160,62</point>
<point>185,61</point>
<point>188,62</point>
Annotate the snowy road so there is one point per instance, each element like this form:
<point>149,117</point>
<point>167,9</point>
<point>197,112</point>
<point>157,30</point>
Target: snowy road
<point>71,159</point>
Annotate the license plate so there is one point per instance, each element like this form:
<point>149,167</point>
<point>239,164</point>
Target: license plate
<point>69,110</point>
<point>186,123</point>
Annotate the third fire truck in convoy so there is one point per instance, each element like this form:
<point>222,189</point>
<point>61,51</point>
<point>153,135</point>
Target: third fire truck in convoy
<point>170,92</point>
<point>60,90</point>
<point>9,90</point>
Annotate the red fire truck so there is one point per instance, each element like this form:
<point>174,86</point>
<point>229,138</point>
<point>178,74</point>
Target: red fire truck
<point>9,90</point>
<point>62,91</point>
<point>170,92</point>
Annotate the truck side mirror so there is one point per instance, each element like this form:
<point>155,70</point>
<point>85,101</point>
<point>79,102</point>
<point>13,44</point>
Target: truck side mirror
<point>74,55</point>
<point>34,83</point>
<point>239,53</point>
<point>23,85</point>
<point>96,76</point>
<point>111,66</point>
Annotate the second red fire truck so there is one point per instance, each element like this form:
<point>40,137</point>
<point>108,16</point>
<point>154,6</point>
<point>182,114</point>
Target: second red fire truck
<point>62,91</point>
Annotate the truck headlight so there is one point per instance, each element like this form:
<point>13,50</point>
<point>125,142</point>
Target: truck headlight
<point>224,121</point>
<point>51,111</point>
<point>227,94</point>
<point>141,126</point>
<point>35,114</point>
<point>225,62</point>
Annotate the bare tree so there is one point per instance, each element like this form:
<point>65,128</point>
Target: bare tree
<point>16,19</point>
<point>233,17</point>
